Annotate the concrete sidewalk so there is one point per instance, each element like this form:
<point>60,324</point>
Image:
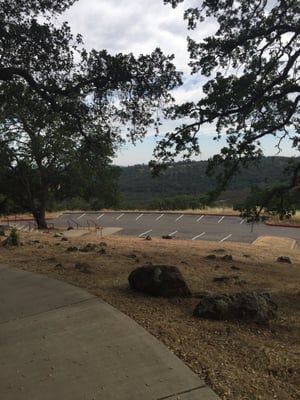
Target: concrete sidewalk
<point>102,232</point>
<point>58,342</point>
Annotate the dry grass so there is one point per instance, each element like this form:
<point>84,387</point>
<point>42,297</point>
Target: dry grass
<point>280,243</point>
<point>238,360</point>
<point>294,220</point>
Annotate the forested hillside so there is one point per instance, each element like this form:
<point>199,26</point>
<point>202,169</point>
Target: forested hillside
<point>186,182</point>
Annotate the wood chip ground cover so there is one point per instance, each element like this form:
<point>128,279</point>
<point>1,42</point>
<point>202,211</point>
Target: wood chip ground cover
<point>238,360</point>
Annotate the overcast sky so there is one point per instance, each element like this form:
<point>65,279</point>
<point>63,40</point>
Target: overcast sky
<point>139,26</point>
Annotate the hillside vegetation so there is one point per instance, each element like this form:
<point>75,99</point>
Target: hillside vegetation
<point>186,182</point>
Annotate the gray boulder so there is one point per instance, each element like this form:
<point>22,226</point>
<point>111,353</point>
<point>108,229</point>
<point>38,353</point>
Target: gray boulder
<point>159,280</point>
<point>251,306</point>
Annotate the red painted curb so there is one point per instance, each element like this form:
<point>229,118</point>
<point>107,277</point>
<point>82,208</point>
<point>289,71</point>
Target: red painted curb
<point>23,219</point>
<point>283,225</point>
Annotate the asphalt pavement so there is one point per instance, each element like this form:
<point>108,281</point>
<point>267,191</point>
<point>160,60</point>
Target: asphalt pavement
<point>219,228</point>
<point>58,342</point>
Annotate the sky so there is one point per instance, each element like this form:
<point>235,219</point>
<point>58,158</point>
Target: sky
<point>140,26</point>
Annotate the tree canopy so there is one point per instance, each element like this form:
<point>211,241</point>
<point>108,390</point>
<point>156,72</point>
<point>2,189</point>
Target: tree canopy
<point>251,62</point>
<point>62,108</point>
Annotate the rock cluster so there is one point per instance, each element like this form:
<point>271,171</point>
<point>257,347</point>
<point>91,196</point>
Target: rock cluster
<point>167,281</point>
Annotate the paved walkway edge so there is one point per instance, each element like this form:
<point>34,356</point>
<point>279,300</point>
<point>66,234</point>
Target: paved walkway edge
<point>60,342</point>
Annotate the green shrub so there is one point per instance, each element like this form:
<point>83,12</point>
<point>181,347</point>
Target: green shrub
<point>14,237</point>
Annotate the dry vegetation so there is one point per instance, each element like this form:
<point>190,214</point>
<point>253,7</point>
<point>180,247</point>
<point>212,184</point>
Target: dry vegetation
<point>238,360</point>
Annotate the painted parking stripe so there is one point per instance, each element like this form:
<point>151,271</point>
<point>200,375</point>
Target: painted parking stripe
<point>82,215</point>
<point>201,234</point>
<point>221,219</point>
<point>100,216</point>
<point>225,238</point>
<point>158,218</point>
<point>179,217</point>
<point>139,217</point>
<point>199,219</point>
<point>145,233</point>
<point>173,233</point>
<point>120,216</point>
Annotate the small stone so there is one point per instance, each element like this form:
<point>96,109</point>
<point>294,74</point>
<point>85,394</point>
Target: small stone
<point>211,257</point>
<point>132,256</point>
<point>227,257</point>
<point>89,247</point>
<point>83,267</point>
<point>72,248</point>
<point>284,259</point>
<point>223,279</point>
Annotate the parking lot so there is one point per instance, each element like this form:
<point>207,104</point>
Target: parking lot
<point>219,228</point>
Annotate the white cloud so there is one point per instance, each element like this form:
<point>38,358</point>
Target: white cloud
<point>130,26</point>
<point>139,26</point>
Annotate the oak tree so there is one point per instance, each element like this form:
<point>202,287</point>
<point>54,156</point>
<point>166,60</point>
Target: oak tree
<point>252,91</point>
<point>62,108</point>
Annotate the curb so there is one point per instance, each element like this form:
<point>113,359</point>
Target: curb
<point>283,225</point>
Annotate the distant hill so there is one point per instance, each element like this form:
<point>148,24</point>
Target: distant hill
<point>140,190</point>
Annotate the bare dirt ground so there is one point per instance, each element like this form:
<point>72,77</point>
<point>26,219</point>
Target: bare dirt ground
<point>238,360</point>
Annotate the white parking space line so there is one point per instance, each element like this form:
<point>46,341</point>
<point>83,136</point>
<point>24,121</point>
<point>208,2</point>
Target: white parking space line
<point>225,238</point>
<point>139,217</point>
<point>158,218</point>
<point>145,233</point>
<point>221,219</point>
<point>82,215</point>
<point>120,216</point>
<point>201,234</point>
<point>242,221</point>
<point>199,219</point>
<point>173,233</point>
<point>100,216</point>
<point>179,218</point>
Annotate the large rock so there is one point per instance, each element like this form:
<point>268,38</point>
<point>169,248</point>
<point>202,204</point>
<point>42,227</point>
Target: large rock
<point>240,306</point>
<point>159,280</point>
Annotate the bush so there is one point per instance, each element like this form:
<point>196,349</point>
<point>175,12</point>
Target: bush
<point>14,237</point>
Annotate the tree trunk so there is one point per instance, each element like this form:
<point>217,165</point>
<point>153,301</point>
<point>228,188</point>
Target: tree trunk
<point>39,216</point>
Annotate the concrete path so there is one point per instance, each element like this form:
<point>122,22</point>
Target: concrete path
<point>59,342</point>
<point>102,232</point>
